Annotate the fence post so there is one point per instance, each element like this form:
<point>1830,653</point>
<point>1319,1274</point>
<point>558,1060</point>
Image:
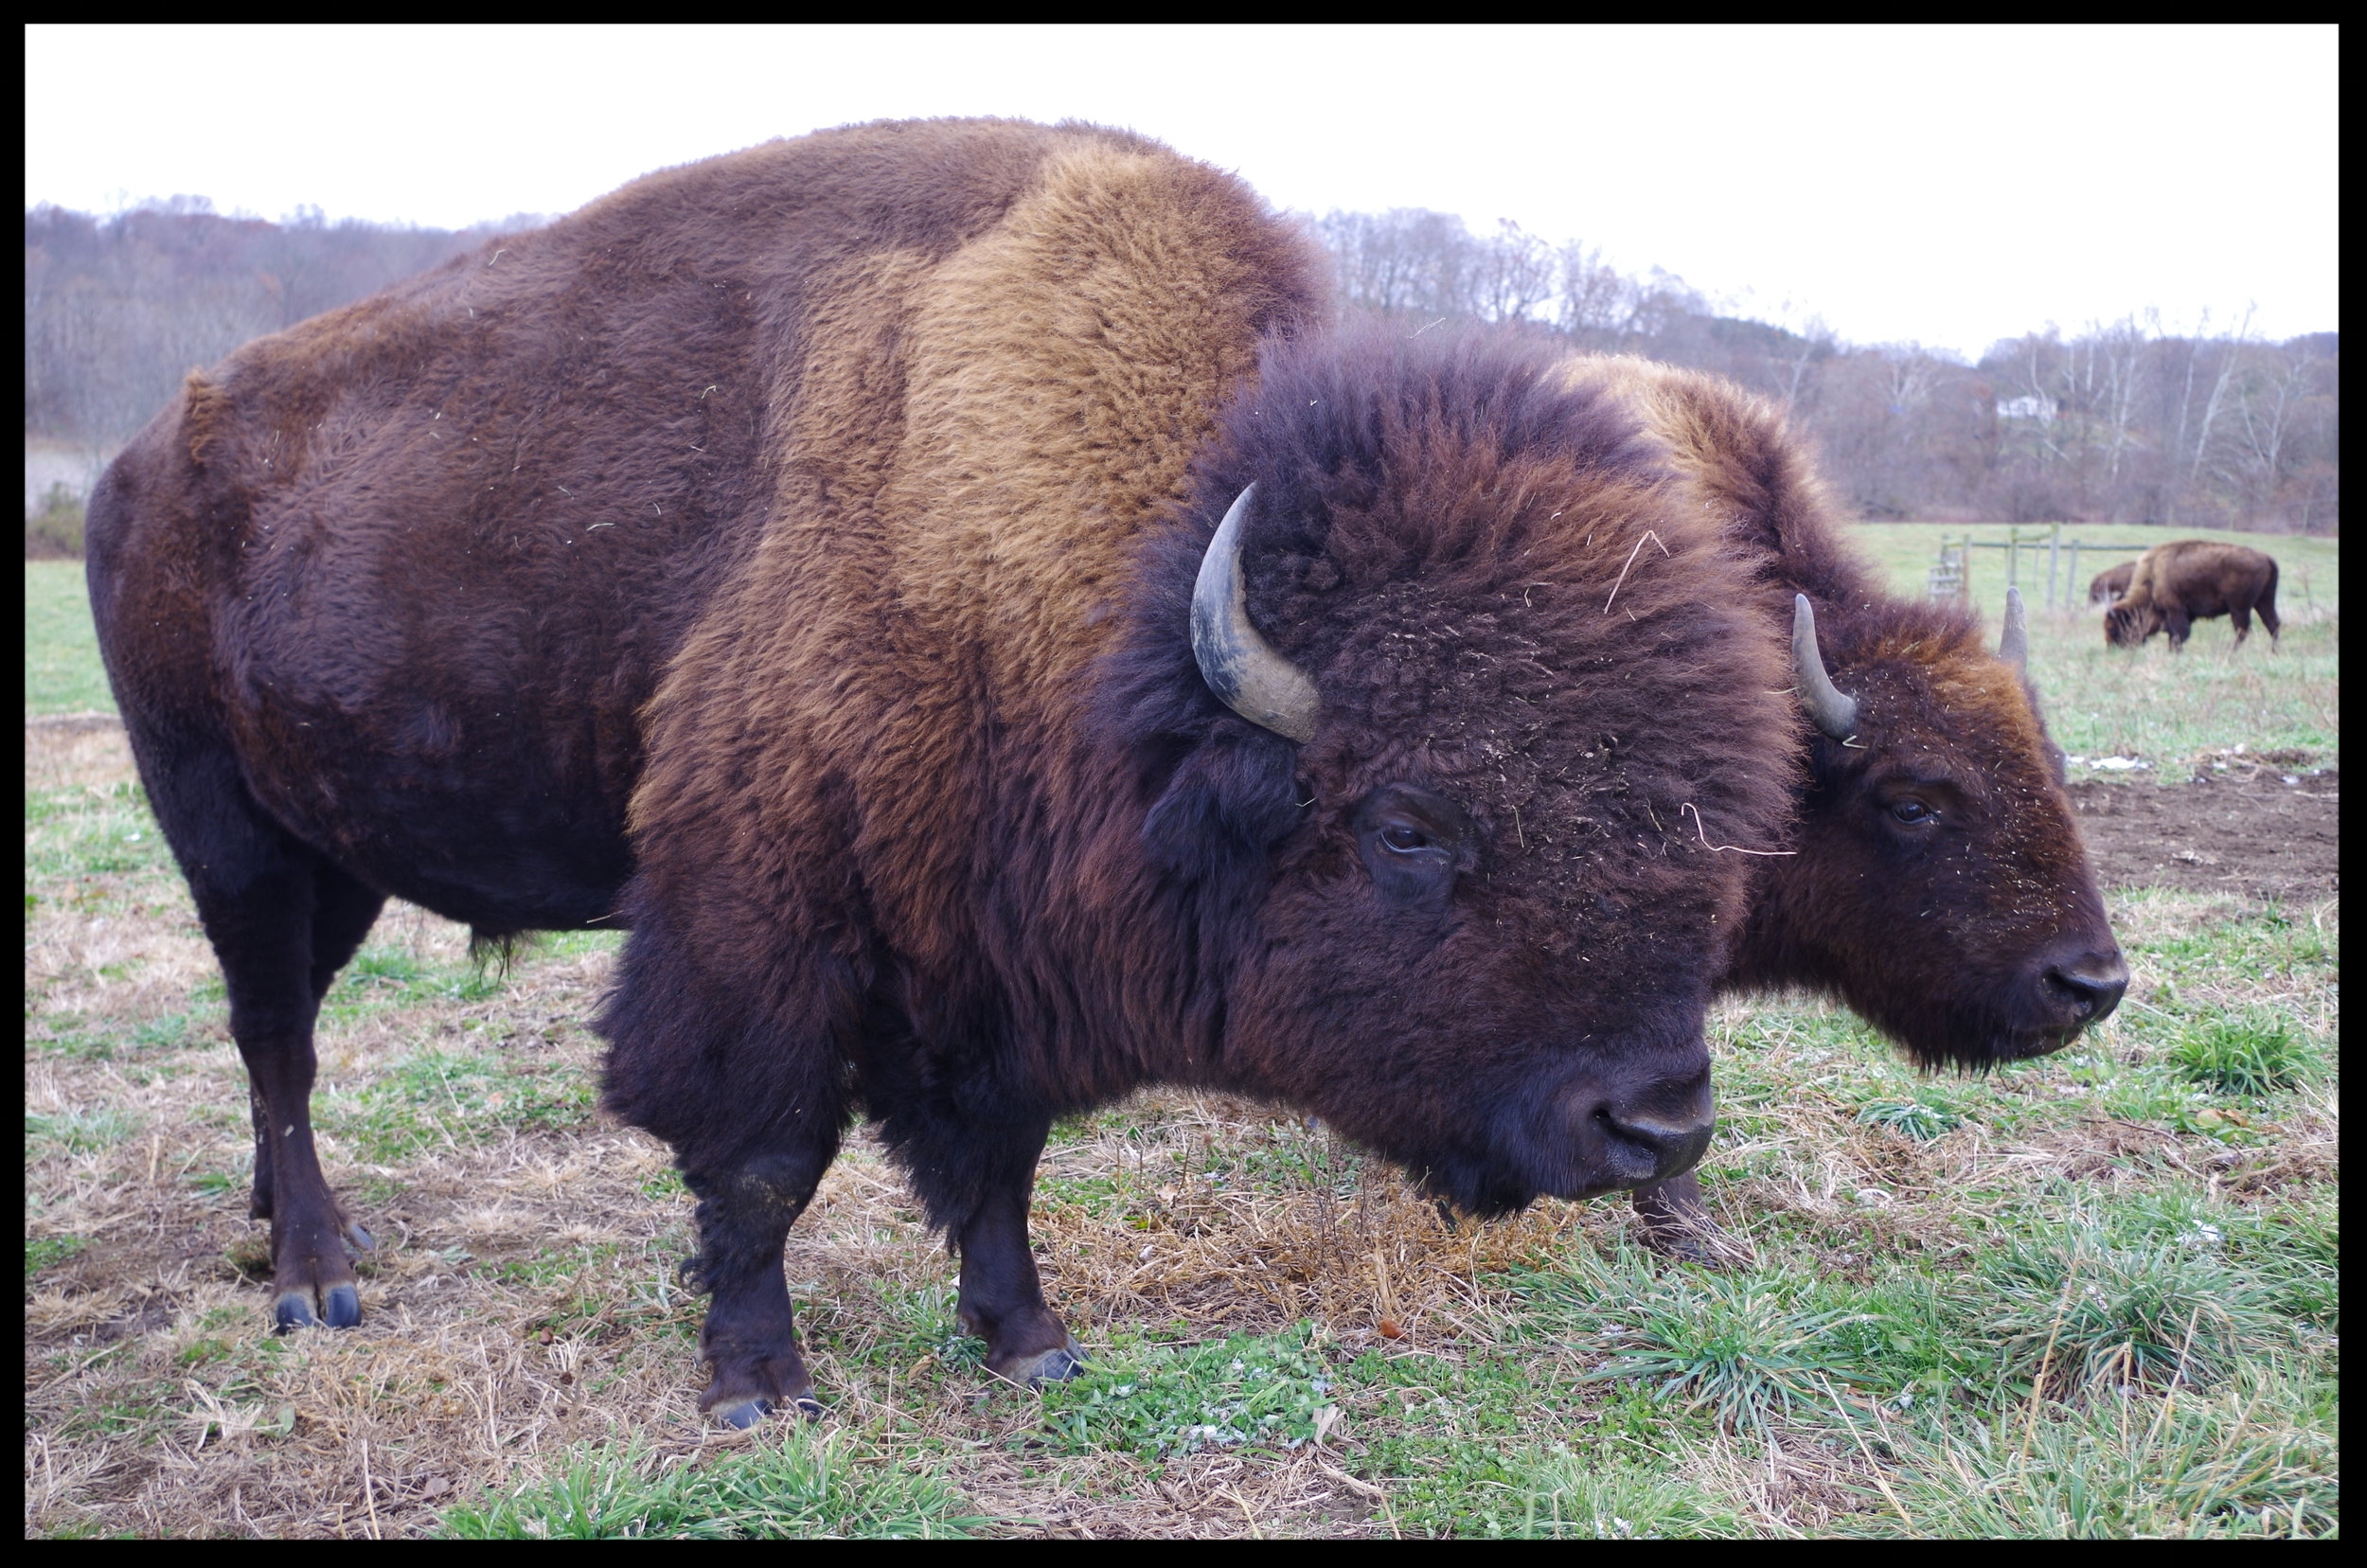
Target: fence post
<point>2054,550</point>
<point>2071,587</point>
<point>2013,557</point>
<point>1964,578</point>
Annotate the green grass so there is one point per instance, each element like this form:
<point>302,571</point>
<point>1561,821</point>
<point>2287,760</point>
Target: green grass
<point>801,1484</point>
<point>62,669</point>
<point>2249,1054</point>
<point>456,1100</point>
<point>91,831</point>
<point>1740,1349</point>
<point>41,1251</point>
<point>1266,1392</point>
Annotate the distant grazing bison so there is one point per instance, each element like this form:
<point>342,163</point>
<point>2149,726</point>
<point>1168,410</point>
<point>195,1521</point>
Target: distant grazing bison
<point>936,586</point>
<point>2111,583</point>
<point>1937,883</point>
<point>2172,586</point>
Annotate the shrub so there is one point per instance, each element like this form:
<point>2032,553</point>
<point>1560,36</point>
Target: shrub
<point>53,531</point>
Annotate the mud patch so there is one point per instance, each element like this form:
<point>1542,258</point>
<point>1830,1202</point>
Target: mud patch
<point>2255,835</point>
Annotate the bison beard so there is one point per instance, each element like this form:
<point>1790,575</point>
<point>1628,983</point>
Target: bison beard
<point>793,556</point>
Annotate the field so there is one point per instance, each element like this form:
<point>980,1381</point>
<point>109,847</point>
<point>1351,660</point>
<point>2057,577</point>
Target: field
<point>2095,1294</point>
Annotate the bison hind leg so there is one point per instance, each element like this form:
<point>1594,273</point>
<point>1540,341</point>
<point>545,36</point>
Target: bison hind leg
<point>282,922</point>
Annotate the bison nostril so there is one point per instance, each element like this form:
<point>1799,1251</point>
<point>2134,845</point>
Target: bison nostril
<point>1646,1150</point>
<point>2093,988</point>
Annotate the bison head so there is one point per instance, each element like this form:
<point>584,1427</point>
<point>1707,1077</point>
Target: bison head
<point>2129,622</point>
<point>1422,788</point>
<point>1941,888</point>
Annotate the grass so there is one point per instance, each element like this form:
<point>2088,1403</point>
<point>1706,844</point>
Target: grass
<point>799,1484</point>
<point>61,668</point>
<point>1263,1392</point>
<point>2093,1294</point>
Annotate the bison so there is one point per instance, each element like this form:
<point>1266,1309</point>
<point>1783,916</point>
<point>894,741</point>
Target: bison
<point>936,588</point>
<point>2174,585</point>
<point>2111,583</point>
<point>1935,881</point>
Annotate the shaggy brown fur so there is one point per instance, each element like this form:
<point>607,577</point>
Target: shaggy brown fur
<point>2111,583</point>
<point>790,557</point>
<point>2172,586</point>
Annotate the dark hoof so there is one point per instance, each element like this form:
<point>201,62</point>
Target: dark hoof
<point>1052,1366</point>
<point>344,1307</point>
<point>809,1407</point>
<point>743,1413</point>
<point>358,1238</point>
<point>294,1311</point>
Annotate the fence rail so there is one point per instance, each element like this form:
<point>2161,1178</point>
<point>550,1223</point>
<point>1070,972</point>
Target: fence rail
<point>1951,577</point>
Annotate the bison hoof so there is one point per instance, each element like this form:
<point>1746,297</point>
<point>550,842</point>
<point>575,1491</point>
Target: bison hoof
<point>1052,1366</point>
<point>358,1238</point>
<point>340,1306</point>
<point>742,1414</point>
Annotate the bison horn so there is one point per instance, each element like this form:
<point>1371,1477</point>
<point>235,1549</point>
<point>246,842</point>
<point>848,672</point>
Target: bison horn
<point>2014,647</point>
<point>1240,667</point>
<point>1834,711</point>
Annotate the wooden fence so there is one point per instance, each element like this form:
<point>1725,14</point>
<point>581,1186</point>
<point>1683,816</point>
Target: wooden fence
<point>1951,578</point>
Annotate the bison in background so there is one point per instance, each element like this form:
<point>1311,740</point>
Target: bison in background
<point>2174,585</point>
<point>1934,880</point>
<point>933,585</point>
<point>2111,583</point>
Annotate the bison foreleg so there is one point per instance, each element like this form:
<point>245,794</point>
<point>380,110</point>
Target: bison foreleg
<point>1673,1223</point>
<point>750,1338</point>
<point>1002,1296</point>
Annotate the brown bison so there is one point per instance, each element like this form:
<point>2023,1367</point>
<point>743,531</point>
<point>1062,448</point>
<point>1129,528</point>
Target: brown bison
<point>2172,586</point>
<point>931,583</point>
<point>1937,883</point>
<point>2111,583</point>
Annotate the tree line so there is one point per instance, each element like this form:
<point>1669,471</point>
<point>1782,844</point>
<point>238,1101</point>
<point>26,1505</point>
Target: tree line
<point>2128,423</point>
<point>117,309</point>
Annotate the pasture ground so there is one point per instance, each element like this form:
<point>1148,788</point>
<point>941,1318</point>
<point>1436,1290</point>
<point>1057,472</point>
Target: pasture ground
<point>2095,1294</point>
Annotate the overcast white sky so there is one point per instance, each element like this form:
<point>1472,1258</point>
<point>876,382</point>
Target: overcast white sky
<point>1944,186</point>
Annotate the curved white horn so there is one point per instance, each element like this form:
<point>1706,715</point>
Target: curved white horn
<point>2014,646</point>
<point>1834,711</point>
<point>1240,667</point>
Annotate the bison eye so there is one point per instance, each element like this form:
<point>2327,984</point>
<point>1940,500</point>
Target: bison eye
<point>1415,841</point>
<point>1913,812</point>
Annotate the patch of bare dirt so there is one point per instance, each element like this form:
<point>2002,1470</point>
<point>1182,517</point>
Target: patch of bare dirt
<point>2244,831</point>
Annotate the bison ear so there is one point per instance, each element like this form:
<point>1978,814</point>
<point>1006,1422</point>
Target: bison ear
<point>1233,796</point>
